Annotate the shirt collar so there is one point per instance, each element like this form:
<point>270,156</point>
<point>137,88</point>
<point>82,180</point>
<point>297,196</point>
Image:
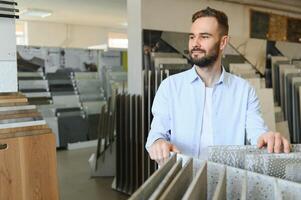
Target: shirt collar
<point>193,76</point>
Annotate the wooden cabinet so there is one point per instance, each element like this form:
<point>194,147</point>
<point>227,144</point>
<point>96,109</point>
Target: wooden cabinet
<point>28,168</point>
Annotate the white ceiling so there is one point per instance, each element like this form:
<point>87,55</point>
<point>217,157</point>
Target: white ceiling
<point>113,13</point>
<point>108,13</point>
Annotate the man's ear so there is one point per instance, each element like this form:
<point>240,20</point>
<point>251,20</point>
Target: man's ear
<point>224,42</point>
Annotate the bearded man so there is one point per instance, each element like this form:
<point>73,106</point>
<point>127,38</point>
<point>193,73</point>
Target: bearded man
<point>206,105</point>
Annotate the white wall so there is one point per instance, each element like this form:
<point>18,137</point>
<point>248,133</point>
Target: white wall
<point>64,35</point>
<point>8,62</point>
<point>175,15</point>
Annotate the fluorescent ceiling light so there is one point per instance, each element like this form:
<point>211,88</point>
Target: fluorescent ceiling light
<point>118,43</point>
<point>35,13</point>
<point>101,47</point>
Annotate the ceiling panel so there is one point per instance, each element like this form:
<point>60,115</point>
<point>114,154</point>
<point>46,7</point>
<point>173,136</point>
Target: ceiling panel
<point>109,13</point>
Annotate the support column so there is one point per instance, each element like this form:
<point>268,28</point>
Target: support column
<point>134,46</point>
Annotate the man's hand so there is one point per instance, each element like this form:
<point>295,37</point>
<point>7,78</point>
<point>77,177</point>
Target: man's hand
<point>274,142</point>
<point>159,151</point>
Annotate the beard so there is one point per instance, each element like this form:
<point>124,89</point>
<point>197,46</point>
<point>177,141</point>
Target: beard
<point>208,59</point>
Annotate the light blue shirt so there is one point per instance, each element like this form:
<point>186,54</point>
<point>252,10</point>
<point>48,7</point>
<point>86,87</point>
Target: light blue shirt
<point>179,105</point>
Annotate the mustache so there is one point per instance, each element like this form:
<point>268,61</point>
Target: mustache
<point>197,49</point>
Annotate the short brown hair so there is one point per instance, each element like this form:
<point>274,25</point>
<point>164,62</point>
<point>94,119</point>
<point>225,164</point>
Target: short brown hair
<point>220,16</point>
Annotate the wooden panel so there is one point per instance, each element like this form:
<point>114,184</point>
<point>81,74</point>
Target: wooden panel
<point>10,170</point>
<point>25,133</point>
<point>16,100</point>
<point>20,129</point>
<point>17,115</point>
<point>11,95</point>
<point>29,164</point>
<point>14,104</point>
<point>38,165</point>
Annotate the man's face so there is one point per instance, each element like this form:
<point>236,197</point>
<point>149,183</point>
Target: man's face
<point>204,42</point>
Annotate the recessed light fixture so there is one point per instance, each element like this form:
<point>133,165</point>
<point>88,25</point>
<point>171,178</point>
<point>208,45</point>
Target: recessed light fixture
<point>124,24</point>
<point>35,13</point>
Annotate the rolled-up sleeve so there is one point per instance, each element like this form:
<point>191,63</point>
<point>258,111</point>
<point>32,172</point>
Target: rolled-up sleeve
<point>160,125</point>
<point>255,125</point>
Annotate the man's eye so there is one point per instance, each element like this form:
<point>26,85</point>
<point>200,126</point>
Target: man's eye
<point>205,36</point>
<point>191,37</point>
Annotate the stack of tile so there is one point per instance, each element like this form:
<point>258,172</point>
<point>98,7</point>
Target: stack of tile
<point>71,119</point>
<point>27,151</point>
<point>133,121</point>
<point>287,79</point>
<point>34,87</point>
<point>182,177</point>
<point>91,94</point>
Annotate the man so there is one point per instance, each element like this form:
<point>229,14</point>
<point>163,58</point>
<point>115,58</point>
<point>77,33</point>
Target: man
<point>205,105</point>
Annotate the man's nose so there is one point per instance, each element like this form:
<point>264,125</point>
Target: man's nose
<point>196,42</point>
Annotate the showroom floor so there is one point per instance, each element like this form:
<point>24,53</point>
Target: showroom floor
<point>74,178</point>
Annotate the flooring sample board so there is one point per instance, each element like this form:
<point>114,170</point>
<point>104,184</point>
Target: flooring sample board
<point>276,87</point>
<point>146,190</point>
<point>93,107</point>
<point>181,182</point>
<point>282,68</point>
<point>13,108</point>
<point>72,128</point>
<point>282,128</point>
<point>267,107</point>
<point>167,180</point>
<point>296,114</point>
<point>198,187</point>
<point>68,100</point>
<point>3,102</point>
<point>299,110</point>
<point>285,88</point>
<point>30,74</point>
<point>33,84</point>
<point>85,75</point>
<point>20,129</point>
<point>288,189</point>
<point>91,97</point>
<point>26,133</point>
<point>260,186</point>
<point>220,190</point>
<point>22,124</point>
<point>290,106</point>
<point>233,67</point>
<point>275,59</point>
<point>28,165</point>
<point>52,122</point>
<point>37,94</point>
<point>236,183</point>
<point>86,86</point>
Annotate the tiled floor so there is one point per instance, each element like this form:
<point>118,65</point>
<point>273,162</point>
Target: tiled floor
<point>74,178</point>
